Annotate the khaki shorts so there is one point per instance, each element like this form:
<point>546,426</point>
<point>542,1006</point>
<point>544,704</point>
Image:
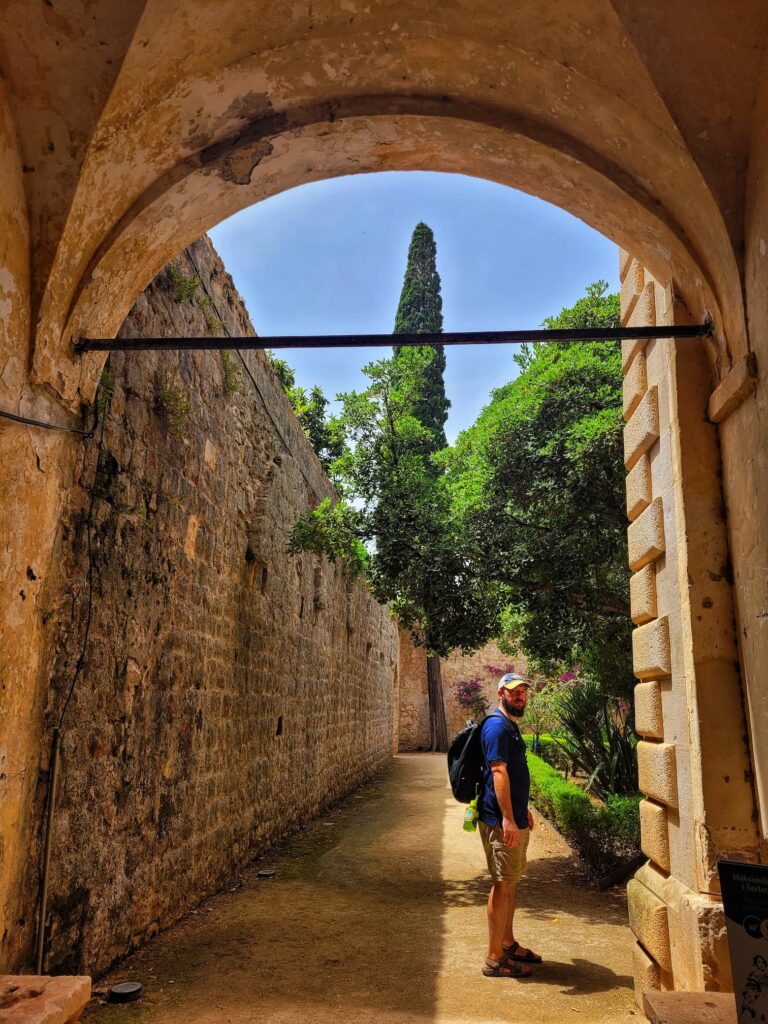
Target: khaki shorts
<point>505,863</point>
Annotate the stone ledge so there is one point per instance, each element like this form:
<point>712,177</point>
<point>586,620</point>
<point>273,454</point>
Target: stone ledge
<point>648,920</point>
<point>629,349</point>
<point>732,391</point>
<point>631,288</point>
<point>642,313</point>
<point>30,999</point>
<point>648,718</point>
<point>645,537</point>
<point>651,658</point>
<point>690,1007</point>
<point>645,971</point>
<point>657,773</point>
<point>642,595</point>
<point>639,490</point>
<point>654,835</point>
<point>642,430</point>
<point>635,385</point>
<point>625,262</point>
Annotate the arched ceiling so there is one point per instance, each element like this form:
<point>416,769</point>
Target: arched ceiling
<point>141,124</point>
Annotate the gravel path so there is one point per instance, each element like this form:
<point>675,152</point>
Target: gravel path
<point>375,915</point>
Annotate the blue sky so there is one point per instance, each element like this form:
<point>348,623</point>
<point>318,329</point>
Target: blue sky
<point>329,257</point>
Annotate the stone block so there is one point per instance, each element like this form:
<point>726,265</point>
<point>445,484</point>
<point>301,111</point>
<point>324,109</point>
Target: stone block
<point>642,595</point>
<point>648,920</point>
<point>625,262</point>
<point>190,539</point>
<point>654,835</point>
<point>631,288</point>
<point>657,772</point>
<point>650,650</point>
<point>648,717</point>
<point>645,971</point>
<point>209,454</point>
<point>31,999</point>
<point>732,391</point>
<point>645,537</point>
<point>629,350</point>
<point>635,384</point>
<point>689,1007</point>
<point>643,312</point>
<point>639,487</point>
<point>642,430</point>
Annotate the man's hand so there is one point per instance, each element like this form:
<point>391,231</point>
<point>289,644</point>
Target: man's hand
<point>511,835</point>
<point>531,822</point>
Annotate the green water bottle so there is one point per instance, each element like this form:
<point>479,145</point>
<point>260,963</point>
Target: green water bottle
<point>471,816</point>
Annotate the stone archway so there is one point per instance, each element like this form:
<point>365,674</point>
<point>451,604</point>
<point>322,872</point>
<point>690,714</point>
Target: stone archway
<point>147,129</point>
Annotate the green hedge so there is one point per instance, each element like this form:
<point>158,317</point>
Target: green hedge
<point>604,834</point>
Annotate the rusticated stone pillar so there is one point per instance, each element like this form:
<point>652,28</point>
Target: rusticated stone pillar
<point>693,760</point>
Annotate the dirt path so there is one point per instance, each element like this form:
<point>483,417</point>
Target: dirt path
<point>376,914</point>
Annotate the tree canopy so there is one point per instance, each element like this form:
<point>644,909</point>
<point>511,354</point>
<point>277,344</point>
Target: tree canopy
<point>537,484</point>
<point>401,513</point>
<point>517,531</point>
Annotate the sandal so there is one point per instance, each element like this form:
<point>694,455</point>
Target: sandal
<point>504,968</point>
<point>519,954</point>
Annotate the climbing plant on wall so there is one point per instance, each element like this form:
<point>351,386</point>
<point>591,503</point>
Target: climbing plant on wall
<point>325,432</point>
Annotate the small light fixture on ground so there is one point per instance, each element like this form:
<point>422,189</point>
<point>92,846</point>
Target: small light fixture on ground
<point>125,992</point>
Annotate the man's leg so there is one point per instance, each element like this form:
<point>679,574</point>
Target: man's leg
<point>509,930</point>
<point>500,898</point>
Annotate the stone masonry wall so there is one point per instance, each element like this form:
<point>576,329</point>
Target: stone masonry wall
<point>229,692</point>
<point>693,758</point>
<point>413,730</point>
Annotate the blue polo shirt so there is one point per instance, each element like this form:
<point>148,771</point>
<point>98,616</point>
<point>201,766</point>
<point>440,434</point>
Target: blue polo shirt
<point>500,740</point>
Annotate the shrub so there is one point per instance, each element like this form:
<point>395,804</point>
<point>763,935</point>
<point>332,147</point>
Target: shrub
<point>230,371</point>
<point>604,834</point>
<point>172,399</point>
<point>469,695</point>
<point>183,287</point>
<point>598,735</point>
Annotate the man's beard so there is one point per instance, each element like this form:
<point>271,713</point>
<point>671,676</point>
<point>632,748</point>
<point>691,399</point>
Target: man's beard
<point>516,710</point>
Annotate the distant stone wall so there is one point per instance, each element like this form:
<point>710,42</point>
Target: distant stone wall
<point>230,691</point>
<point>414,702</point>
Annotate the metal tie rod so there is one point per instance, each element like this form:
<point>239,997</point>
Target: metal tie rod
<point>288,341</point>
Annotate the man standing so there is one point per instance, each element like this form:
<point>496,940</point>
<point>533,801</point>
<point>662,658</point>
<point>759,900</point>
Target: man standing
<point>505,825</point>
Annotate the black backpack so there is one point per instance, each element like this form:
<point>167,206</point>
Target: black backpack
<point>465,762</point>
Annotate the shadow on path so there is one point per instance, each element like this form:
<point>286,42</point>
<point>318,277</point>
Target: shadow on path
<point>376,915</point>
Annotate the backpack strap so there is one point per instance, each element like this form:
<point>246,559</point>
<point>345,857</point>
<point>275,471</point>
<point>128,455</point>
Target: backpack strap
<point>511,726</point>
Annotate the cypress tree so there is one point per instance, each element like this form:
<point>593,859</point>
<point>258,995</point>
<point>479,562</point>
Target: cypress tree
<point>420,311</point>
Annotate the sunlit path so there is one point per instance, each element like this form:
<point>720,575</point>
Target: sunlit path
<point>376,914</point>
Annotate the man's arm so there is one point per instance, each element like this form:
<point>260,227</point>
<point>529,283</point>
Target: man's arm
<point>504,796</point>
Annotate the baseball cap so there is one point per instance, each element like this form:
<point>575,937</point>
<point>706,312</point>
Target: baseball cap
<point>511,679</point>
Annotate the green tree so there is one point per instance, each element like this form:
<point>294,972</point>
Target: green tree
<point>420,311</point>
<point>326,433</point>
<point>539,485</point>
<point>285,374</point>
<point>403,516</point>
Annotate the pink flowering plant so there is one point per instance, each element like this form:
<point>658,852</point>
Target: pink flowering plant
<point>469,694</point>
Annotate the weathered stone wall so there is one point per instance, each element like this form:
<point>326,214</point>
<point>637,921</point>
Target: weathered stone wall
<point>742,414</point>
<point>229,691</point>
<point>413,729</point>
